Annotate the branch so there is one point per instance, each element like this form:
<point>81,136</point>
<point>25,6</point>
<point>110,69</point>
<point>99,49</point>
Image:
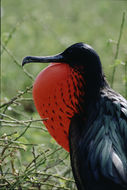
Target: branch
<point>17,62</point>
<point>117,48</point>
<point>16,97</point>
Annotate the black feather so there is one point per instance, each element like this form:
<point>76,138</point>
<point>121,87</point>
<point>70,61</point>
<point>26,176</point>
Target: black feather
<point>99,145</point>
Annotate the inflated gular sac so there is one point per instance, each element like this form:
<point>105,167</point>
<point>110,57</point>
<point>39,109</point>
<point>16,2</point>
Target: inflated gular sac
<point>56,96</point>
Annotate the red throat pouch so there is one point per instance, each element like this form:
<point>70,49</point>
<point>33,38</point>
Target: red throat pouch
<point>56,93</point>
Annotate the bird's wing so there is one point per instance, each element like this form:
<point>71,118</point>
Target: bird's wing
<point>74,139</point>
<point>100,153</point>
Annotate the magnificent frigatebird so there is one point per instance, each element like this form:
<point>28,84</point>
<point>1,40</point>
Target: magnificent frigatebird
<point>86,116</point>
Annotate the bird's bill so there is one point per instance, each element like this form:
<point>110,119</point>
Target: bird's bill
<point>46,59</point>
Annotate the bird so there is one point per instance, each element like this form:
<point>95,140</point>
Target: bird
<point>85,116</point>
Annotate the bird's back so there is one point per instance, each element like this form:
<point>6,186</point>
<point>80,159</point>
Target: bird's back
<point>98,145</point>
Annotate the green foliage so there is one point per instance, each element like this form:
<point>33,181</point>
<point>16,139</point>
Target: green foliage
<point>29,157</point>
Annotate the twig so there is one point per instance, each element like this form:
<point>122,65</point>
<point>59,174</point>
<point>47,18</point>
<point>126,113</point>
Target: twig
<point>7,146</point>
<point>14,29</point>
<point>24,99</point>
<point>23,122</point>
<point>22,126</point>
<point>23,132</point>
<point>40,161</point>
<point>20,143</point>
<point>34,155</point>
<point>49,184</point>
<point>117,47</point>
<point>15,147</point>
<point>16,97</point>
<point>17,62</point>
<point>55,176</point>
<point>10,35</point>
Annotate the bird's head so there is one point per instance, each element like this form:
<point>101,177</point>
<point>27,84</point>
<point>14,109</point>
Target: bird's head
<point>76,55</point>
<point>80,56</point>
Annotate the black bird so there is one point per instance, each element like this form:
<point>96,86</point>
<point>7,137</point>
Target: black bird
<point>98,127</point>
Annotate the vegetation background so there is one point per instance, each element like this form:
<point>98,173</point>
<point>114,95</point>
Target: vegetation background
<point>29,157</point>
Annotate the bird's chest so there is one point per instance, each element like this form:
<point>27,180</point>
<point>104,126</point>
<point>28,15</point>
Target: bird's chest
<point>57,91</point>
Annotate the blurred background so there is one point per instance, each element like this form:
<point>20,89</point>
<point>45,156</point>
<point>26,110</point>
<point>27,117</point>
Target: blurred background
<point>46,27</point>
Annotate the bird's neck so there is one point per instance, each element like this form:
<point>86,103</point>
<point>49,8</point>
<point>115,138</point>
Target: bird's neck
<point>94,78</point>
<point>94,83</point>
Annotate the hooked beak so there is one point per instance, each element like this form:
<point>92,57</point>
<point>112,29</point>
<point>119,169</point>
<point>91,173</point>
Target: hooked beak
<point>46,59</point>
